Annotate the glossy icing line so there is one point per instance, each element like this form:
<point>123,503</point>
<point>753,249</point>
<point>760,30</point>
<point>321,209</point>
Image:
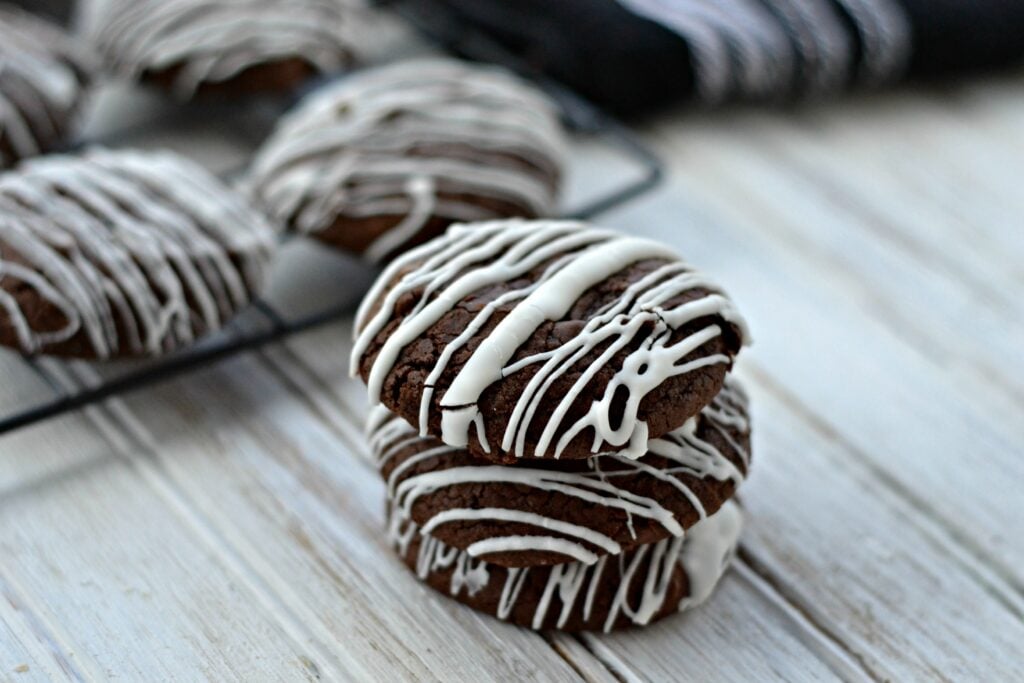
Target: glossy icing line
<point>407,140</point>
<point>684,451</point>
<point>571,588</point>
<point>215,40</point>
<point>139,251</point>
<point>577,257</point>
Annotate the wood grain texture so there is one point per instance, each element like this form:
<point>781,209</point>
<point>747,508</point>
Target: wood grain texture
<point>864,567</point>
<point>883,385</point>
<point>762,644</point>
<point>110,581</point>
<point>287,499</point>
<point>24,651</point>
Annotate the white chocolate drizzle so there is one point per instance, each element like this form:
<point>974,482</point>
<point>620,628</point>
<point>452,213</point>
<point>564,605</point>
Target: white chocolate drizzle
<point>684,451</point>
<point>141,252</point>
<point>422,139</point>
<point>571,588</point>
<point>43,75</point>
<point>214,41</point>
<point>576,257</point>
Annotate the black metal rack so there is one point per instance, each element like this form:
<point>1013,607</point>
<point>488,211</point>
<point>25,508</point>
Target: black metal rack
<point>581,117</point>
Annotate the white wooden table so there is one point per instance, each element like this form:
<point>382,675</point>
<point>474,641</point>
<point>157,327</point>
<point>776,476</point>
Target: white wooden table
<point>226,526</point>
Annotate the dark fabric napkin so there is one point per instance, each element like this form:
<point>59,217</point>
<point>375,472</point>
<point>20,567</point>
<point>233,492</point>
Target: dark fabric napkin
<point>637,55</point>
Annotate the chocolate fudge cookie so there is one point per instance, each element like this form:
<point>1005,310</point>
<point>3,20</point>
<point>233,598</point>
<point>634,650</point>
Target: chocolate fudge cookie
<point>241,47</point>
<point>633,589</point>
<point>545,339</point>
<point>549,512</point>
<point>44,75</point>
<point>116,254</point>
<point>388,158</point>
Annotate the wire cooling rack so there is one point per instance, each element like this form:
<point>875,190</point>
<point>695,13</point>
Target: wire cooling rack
<point>264,325</point>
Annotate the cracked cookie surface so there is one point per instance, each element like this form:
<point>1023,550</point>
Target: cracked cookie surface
<point>545,339</point>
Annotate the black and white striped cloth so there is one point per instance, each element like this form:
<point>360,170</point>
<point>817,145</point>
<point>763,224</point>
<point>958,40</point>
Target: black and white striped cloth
<point>767,48</point>
<point>633,55</point>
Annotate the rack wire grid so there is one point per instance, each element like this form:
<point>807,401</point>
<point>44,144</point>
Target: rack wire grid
<point>581,118</point>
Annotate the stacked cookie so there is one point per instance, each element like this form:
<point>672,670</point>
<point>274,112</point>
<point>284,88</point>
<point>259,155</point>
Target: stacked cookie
<point>555,423</point>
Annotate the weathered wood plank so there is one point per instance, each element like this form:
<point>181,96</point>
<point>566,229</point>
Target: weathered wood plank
<point>922,429</point>
<point>925,183</point>
<point>106,578</point>
<point>588,666</point>
<point>287,497</point>
<point>896,590</point>
<point>739,635</point>
<point>774,166</point>
<point>26,654</point>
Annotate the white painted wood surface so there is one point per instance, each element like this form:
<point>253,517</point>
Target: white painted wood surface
<point>226,525</point>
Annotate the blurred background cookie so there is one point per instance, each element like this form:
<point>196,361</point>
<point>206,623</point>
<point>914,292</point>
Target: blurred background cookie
<point>44,76</point>
<point>119,254</point>
<point>388,158</point>
<point>226,47</point>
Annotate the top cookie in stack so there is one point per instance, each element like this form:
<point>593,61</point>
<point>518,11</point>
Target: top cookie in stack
<point>545,340</point>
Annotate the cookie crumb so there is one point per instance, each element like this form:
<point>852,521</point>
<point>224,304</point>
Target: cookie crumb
<point>310,666</point>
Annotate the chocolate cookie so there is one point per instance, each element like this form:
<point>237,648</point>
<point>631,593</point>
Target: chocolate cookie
<point>115,254</point>
<point>633,589</point>
<point>390,157</point>
<point>546,339</point>
<point>44,76</point>
<point>241,47</point>
<point>549,512</point>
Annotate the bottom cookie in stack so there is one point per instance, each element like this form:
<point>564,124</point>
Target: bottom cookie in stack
<point>598,544</point>
<point>631,589</point>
